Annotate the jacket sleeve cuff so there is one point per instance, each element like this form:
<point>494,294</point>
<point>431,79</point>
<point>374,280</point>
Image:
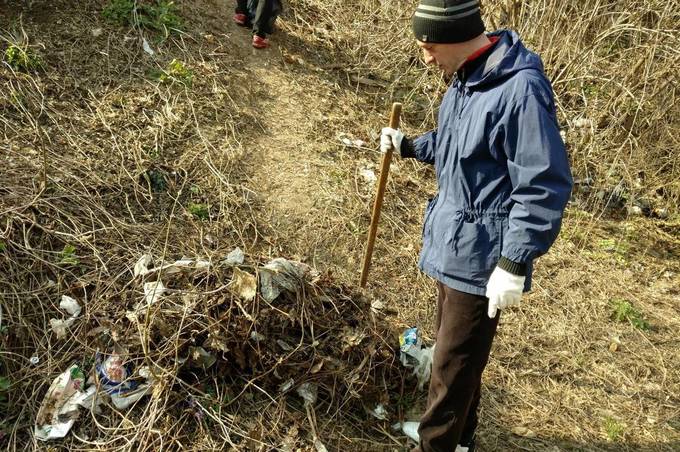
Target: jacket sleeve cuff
<point>509,266</point>
<point>406,149</point>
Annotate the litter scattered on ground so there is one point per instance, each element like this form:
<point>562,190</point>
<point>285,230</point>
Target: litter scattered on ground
<point>349,141</point>
<point>70,305</point>
<point>60,327</point>
<point>199,357</point>
<point>115,377</point>
<point>142,265</point>
<point>153,291</point>
<point>286,385</point>
<point>379,412</point>
<point>409,428</point>
<point>275,336</point>
<point>236,257</point>
<point>244,284</point>
<point>279,275</point>
<point>184,264</point>
<point>60,407</point>
<point>257,337</point>
<point>308,392</point>
<point>147,48</point>
<point>369,175</point>
<point>415,355</point>
<point>34,360</point>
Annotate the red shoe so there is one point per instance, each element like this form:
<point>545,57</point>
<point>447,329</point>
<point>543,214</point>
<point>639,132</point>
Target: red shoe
<point>241,19</point>
<point>259,42</point>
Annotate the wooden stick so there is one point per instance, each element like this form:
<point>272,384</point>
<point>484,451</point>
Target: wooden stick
<point>380,193</point>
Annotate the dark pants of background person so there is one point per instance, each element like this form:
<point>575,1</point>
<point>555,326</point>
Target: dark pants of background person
<point>263,15</point>
<point>464,335</point>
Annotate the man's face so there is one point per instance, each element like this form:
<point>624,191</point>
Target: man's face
<point>448,57</point>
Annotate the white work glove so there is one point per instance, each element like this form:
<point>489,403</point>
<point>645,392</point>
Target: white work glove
<point>390,139</point>
<point>504,289</point>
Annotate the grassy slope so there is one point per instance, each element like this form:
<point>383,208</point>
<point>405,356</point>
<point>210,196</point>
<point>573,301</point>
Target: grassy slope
<point>256,138</point>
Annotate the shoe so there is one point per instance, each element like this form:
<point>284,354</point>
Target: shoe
<point>259,42</point>
<point>241,19</point>
<point>469,448</point>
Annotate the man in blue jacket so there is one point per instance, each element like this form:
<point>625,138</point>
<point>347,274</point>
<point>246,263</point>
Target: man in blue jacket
<point>503,183</point>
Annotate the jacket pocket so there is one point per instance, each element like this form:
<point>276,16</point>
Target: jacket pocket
<point>473,248</point>
<point>427,227</point>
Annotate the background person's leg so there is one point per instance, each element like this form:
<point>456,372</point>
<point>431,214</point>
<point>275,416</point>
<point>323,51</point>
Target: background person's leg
<point>241,13</point>
<point>241,7</point>
<point>263,15</point>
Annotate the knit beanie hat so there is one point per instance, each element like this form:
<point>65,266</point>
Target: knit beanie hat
<point>447,21</point>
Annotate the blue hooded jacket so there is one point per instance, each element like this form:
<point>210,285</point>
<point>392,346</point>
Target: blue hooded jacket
<point>502,170</point>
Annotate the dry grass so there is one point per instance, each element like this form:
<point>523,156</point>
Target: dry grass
<point>101,156</point>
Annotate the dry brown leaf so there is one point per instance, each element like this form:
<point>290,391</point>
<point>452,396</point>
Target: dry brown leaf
<point>244,284</point>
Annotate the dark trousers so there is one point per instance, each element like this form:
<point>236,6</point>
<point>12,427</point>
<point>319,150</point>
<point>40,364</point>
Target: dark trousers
<point>464,335</point>
<point>262,23</point>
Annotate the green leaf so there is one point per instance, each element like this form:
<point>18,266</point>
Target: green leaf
<point>200,211</point>
<point>623,312</point>
<point>68,255</point>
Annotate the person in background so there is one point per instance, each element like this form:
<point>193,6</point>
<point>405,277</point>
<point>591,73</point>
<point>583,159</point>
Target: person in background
<point>503,183</point>
<point>261,16</point>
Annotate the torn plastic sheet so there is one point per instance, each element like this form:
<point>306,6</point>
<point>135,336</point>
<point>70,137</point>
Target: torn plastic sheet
<point>183,264</point>
<point>279,275</point>
<point>379,412</point>
<point>308,392</point>
<point>60,327</point>
<point>236,257</point>
<point>59,409</point>
<point>124,400</point>
<point>199,357</point>
<point>369,176</point>
<point>286,385</point>
<point>409,428</point>
<point>142,265</point>
<point>71,306</point>
<point>153,291</point>
<point>147,48</point>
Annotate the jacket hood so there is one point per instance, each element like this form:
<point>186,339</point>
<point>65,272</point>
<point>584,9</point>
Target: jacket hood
<point>508,57</point>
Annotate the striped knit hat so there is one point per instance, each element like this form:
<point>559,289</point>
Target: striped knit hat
<point>447,21</point>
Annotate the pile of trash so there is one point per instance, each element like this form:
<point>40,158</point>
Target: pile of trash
<point>280,323</point>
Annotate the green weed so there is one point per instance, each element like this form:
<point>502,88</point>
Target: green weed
<point>176,71</point>
<point>160,15</point>
<point>68,255</point>
<point>614,246</point>
<point>22,59</point>
<point>156,180</point>
<point>625,312</point>
<point>200,211</point>
<point>613,428</point>
<point>3,247</point>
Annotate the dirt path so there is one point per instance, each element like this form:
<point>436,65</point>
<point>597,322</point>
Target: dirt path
<point>288,171</point>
